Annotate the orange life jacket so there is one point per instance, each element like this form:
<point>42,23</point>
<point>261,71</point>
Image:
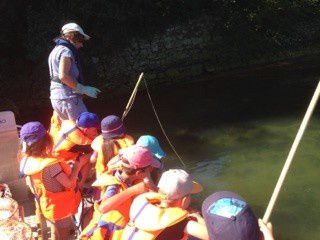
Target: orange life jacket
<point>114,164</point>
<point>147,220</point>
<point>53,205</point>
<point>109,225</point>
<point>120,143</point>
<point>68,136</point>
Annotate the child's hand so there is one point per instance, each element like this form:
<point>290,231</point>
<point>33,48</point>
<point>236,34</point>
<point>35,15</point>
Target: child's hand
<point>83,160</point>
<point>198,217</point>
<point>149,183</point>
<point>267,230</point>
<point>93,157</point>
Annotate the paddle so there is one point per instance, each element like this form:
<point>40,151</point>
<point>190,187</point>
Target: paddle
<point>291,154</point>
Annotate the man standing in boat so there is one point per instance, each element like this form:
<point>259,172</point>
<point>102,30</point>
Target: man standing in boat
<point>67,82</point>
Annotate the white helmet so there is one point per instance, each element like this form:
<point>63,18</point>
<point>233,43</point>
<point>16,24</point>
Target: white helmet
<point>73,27</point>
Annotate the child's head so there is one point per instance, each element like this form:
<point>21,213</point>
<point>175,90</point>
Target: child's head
<point>35,141</point>
<point>177,185</point>
<point>152,144</point>
<point>137,162</point>
<point>229,217</point>
<point>112,127</point>
<point>89,123</point>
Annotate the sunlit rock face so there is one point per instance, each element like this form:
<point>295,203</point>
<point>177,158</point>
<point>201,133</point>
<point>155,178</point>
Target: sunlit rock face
<point>181,51</point>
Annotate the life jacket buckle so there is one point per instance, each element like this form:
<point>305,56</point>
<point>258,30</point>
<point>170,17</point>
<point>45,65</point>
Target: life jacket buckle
<point>131,224</point>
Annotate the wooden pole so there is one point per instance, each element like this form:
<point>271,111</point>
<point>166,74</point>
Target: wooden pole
<point>291,154</point>
<point>133,94</point>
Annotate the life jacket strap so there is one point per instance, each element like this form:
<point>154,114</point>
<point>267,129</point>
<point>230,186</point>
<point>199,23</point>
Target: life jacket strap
<point>110,227</point>
<point>21,172</point>
<point>64,137</point>
<point>134,230</point>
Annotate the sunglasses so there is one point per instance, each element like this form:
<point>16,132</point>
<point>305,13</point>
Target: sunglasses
<point>79,37</point>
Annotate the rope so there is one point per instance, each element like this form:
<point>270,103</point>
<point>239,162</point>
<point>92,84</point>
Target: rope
<point>161,126</point>
<point>132,98</point>
<point>292,153</point>
<point>130,104</point>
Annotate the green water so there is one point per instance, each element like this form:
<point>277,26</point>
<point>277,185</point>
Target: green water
<point>248,159</point>
<point>236,136</point>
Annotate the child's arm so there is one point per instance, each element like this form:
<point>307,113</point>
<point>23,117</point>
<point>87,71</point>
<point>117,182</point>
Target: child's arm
<point>71,181</point>
<point>116,200</point>
<point>93,157</point>
<point>196,229</point>
<point>83,140</point>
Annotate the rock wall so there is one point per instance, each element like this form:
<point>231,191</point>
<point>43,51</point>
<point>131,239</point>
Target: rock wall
<point>180,52</point>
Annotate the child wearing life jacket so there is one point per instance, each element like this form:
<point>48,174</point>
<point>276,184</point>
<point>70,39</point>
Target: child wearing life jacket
<point>152,144</point>
<point>228,217</point>
<point>165,214</point>
<point>74,139</point>
<point>113,138</point>
<point>52,181</point>
<point>118,190</point>
<point>72,135</point>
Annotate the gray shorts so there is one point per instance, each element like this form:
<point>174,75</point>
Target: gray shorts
<point>69,108</point>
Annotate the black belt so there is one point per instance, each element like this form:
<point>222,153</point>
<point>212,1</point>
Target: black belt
<point>56,79</point>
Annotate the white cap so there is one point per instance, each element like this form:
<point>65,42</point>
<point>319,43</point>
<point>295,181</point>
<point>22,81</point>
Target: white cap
<point>177,183</point>
<point>73,27</point>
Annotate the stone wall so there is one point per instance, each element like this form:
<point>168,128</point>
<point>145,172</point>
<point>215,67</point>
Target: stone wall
<point>180,52</point>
